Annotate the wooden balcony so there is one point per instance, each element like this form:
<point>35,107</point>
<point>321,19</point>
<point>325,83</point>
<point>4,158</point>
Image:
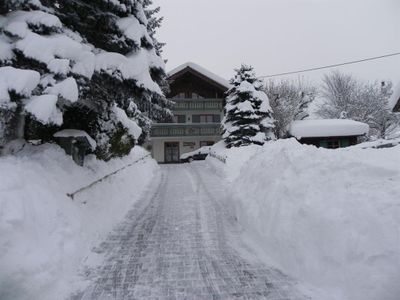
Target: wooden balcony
<point>185,130</point>
<point>197,104</point>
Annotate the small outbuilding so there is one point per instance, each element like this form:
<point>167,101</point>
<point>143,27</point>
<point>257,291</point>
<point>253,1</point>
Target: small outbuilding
<point>76,143</point>
<point>329,133</point>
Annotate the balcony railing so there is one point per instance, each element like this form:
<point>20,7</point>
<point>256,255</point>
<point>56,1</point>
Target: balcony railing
<point>197,104</point>
<point>178,130</point>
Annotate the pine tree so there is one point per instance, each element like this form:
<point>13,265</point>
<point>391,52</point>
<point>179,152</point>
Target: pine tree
<point>104,51</point>
<point>248,115</point>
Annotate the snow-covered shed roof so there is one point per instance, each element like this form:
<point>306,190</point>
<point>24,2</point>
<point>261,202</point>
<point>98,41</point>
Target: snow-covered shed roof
<point>66,133</point>
<point>327,128</point>
<point>395,98</point>
<point>221,81</point>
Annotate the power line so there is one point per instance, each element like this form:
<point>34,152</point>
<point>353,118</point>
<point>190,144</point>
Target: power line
<point>332,66</point>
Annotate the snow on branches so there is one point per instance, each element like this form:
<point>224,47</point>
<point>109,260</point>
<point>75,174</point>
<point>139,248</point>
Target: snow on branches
<point>248,115</point>
<point>84,66</point>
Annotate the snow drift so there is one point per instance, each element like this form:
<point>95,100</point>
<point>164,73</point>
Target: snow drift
<point>330,218</point>
<point>45,235</point>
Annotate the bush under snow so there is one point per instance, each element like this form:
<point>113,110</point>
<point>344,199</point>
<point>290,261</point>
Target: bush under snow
<point>330,218</point>
<point>45,236</point>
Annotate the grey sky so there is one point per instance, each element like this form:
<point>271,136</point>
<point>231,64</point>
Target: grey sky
<point>282,35</point>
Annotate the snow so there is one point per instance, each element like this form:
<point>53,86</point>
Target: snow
<point>245,106</point>
<point>53,50</point>
<point>76,133</point>
<point>6,53</point>
<point>22,82</point>
<point>133,66</point>
<point>381,143</point>
<point>17,22</point>
<point>135,31</point>
<point>46,236</point>
<point>202,71</point>
<point>327,128</point>
<point>329,218</point>
<point>202,150</point>
<point>395,98</point>
<point>68,89</point>
<point>44,109</point>
<point>59,66</point>
<point>132,126</point>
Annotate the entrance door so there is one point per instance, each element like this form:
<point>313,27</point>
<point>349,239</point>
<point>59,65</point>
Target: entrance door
<point>171,150</point>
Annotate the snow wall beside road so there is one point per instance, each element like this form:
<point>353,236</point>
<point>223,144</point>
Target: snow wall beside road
<point>330,218</point>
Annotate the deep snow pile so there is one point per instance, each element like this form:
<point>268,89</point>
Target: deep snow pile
<point>330,218</point>
<point>45,235</point>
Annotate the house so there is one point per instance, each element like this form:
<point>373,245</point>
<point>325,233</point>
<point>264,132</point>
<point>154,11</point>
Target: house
<point>394,102</point>
<point>198,95</point>
<point>334,133</point>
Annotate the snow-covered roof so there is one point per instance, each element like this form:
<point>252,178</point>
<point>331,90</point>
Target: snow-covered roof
<point>76,133</point>
<point>395,98</point>
<point>327,128</point>
<point>203,71</point>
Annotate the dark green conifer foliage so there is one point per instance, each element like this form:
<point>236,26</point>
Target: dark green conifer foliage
<point>248,115</point>
<point>95,22</point>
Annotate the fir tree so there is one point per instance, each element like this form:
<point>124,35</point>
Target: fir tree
<point>248,115</point>
<point>108,50</point>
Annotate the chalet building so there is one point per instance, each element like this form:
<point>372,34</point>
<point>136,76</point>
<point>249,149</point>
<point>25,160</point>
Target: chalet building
<point>331,134</point>
<point>199,96</point>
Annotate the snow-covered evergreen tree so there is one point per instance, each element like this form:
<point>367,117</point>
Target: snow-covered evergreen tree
<point>248,115</point>
<point>96,69</point>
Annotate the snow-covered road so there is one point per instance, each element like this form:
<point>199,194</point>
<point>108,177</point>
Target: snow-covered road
<point>182,242</point>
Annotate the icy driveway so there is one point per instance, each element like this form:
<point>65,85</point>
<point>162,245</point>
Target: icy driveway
<point>177,244</point>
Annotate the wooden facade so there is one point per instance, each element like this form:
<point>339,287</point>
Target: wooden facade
<point>333,142</point>
<point>188,82</point>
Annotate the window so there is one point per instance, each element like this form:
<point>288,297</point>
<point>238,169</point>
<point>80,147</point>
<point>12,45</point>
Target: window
<point>179,119</point>
<point>206,143</point>
<point>206,118</point>
<point>333,144</point>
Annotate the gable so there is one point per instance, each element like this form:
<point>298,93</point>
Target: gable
<point>191,79</point>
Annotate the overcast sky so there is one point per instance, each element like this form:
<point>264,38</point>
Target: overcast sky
<point>277,36</point>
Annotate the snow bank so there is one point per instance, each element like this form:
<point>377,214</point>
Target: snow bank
<point>327,128</point>
<point>330,218</point>
<point>45,235</point>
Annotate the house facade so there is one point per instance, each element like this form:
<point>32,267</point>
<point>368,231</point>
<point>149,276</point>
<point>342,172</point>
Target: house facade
<point>199,96</point>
